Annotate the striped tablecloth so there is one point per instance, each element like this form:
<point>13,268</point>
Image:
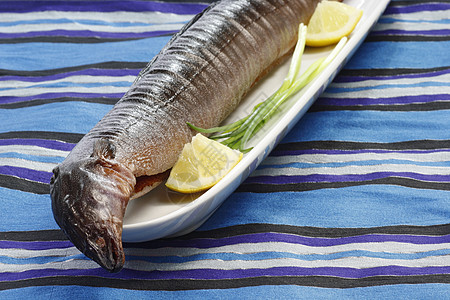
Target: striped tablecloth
<point>354,202</point>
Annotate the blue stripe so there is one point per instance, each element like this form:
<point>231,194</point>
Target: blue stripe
<point>40,260</point>
<point>75,117</point>
<point>350,207</point>
<point>361,206</point>
<point>400,55</point>
<point>402,291</point>
<point>335,89</point>
<point>60,55</point>
<point>370,126</point>
<point>280,254</point>
<point>236,256</point>
<point>75,84</point>
<point>387,20</point>
<point>25,211</point>
<point>46,159</point>
<point>305,165</point>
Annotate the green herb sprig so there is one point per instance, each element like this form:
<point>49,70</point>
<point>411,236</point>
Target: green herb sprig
<point>237,134</point>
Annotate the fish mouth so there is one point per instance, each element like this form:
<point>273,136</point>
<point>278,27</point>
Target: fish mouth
<point>89,198</point>
<point>146,183</point>
<point>103,245</point>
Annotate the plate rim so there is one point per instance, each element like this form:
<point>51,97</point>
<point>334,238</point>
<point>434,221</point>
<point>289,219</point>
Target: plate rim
<point>277,131</point>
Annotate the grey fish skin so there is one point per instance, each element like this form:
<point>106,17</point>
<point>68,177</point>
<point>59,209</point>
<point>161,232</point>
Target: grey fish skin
<point>199,77</point>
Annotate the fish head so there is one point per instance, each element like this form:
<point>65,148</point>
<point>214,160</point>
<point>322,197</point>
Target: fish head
<point>89,198</point>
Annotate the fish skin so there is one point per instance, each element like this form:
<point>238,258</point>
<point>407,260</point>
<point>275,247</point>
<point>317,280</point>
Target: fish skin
<point>199,77</point>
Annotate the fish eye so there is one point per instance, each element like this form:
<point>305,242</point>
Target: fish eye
<point>55,175</point>
<point>55,171</point>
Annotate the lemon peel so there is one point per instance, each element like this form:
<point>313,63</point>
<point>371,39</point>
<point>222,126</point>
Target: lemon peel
<point>330,22</point>
<point>202,163</point>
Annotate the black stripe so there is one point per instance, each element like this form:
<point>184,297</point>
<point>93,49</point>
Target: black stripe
<point>118,65</point>
<point>14,183</point>
<point>429,106</point>
<point>99,100</point>
<point>407,38</point>
<point>311,186</point>
<point>31,236</point>
<point>347,145</point>
<point>309,231</point>
<point>44,135</point>
<point>189,284</point>
<point>251,228</point>
<point>389,72</point>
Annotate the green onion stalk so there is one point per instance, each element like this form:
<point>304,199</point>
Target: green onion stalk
<point>239,133</point>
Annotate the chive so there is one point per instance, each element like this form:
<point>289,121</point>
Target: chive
<point>237,134</point>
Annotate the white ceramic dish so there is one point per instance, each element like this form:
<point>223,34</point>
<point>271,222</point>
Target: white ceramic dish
<point>162,213</point>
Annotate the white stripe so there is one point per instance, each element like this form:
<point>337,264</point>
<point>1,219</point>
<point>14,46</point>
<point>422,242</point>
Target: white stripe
<point>377,82</point>
<point>218,264</point>
<point>117,17</point>
<point>73,89</point>
<point>70,79</point>
<point>390,92</point>
<point>79,27</point>
<point>353,170</point>
<point>409,26</point>
<point>28,164</point>
<point>33,150</point>
<point>420,16</point>
<point>347,262</point>
<point>248,248</point>
<point>338,158</point>
<point>387,92</point>
<point>23,253</point>
<point>245,248</point>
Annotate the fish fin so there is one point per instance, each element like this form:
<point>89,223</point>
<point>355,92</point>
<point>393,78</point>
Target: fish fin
<point>174,37</point>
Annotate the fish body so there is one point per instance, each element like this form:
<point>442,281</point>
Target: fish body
<point>198,77</point>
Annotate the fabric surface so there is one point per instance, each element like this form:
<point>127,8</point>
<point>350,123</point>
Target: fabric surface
<point>353,203</point>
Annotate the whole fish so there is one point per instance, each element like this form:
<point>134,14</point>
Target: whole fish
<point>198,77</point>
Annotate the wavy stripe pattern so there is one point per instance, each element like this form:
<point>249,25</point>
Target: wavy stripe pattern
<point>259,252</point>
<point>354,200</point>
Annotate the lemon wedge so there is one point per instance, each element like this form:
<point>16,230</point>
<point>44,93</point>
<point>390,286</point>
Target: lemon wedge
<point>202,163</point>
<point>330,22</point>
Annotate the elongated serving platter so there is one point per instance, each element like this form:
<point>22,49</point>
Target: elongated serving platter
<point>163,213</point>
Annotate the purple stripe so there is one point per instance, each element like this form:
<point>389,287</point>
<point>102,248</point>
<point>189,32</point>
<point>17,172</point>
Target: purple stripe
<point>293,239</point>
<point>344,178</point>
<point>8,99</point>
<point>90,72</point>
<point>35,245</point>
<point>205,243</point>
<point>285,271</point>
<point>387,100</point>
<point>208,274</point>
<point>253,238</point>
<point>440,32</point>
<point>87,33</point>
<point>416,8</point>
<point>101,6</point>
<point>343,78</point>
<point>39,176</point>
<point>346,152</point>
<point>38,142</point>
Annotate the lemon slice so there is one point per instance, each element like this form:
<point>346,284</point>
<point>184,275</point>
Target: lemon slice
<point>330,22</point>
<point>202,163</point>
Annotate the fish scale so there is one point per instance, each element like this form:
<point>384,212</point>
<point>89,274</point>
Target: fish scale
<point>200,76</point>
